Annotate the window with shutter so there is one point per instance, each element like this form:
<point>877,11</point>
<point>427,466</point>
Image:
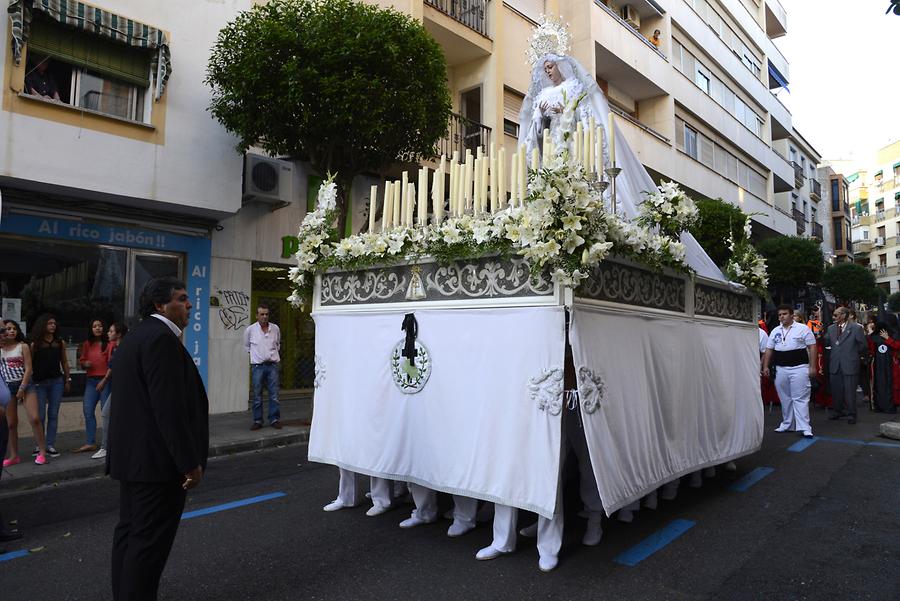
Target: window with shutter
<point>707,151</point>
<point>679,134</point>
<point>512,104</point>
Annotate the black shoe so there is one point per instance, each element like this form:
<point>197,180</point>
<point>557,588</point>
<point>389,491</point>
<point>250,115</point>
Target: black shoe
<point>837,416</point>
<point>10,535</point>
<point>851,421</point>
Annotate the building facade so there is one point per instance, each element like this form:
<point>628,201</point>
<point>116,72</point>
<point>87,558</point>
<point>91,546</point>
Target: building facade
<point>836,205</point>
<point>874,193</point>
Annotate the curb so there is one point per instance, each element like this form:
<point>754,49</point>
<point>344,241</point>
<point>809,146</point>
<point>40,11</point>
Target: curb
<point>97,469</point>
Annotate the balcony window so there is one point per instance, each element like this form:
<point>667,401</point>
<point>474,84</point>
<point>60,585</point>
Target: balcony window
<point>511,128</point>
<point>702,80</point>
<point>690,142</point>
<point>90,58</point>
<point>512,106</point>
<point>896,169</point>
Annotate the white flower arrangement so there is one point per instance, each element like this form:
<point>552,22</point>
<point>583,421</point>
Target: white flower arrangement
<point>746,266</point>
<point>670,209</point>
<point>562,229</point>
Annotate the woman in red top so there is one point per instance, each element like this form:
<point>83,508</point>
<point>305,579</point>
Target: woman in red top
<point>94,358</point>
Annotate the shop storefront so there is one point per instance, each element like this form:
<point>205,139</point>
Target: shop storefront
<point>80,270</point>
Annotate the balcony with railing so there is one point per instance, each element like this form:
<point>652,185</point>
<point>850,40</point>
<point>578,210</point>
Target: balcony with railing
<point>471,13</point>
<point>800,219</point>
<point>776,19</point>
<point>862,247</point>
<point>815,189</point>
<point>799,176</point>
<point>463,134</point>
<point>817,232</point>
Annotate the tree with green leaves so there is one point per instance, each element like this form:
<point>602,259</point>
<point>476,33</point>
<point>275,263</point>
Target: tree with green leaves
<point>850,282</point>
<point>793,263</point>
<point>893,302</point>
<point>350,87</point>
<point>718,220</point>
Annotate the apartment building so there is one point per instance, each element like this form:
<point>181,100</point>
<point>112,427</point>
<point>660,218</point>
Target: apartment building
<point>837,245</point>
<point>803,201</point>
<point>874,193</point>
<point>112,172</point>
<point>700,109</point>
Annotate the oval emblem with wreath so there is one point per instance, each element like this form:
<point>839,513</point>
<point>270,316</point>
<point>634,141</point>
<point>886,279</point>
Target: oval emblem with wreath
<point>410,378</point>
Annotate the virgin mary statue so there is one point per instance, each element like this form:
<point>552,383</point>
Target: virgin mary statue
<point>563,93</point>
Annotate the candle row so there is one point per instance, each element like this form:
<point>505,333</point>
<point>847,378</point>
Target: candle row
<point>478,182</point>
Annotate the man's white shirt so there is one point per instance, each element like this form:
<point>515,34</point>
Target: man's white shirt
<point>797,336</point>
<point>262,346</point>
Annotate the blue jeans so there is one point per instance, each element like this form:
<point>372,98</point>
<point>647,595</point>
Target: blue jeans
<point>50,394</point>
<point>91,397</point>
<point>268,373</point>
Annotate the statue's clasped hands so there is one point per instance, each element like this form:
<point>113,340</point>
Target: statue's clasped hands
<point>547,108</point>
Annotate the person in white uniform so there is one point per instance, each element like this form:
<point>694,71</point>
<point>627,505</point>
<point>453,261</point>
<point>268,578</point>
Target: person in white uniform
<point>792,350</point>
<point>426,510</point>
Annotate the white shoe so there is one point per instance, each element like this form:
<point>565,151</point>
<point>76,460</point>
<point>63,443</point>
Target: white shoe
<point>334,505</point>
<point>669,491</point>
<point>548,563</point>
<point>594,531</point>
<point>651,501</point>
<point>782,428</point>
<point>377,509</point>
<point>626,515</point>
<point>529,531</point>
<point>458,528</point>
<point>99,454</point>
<point>489,552</point>
<point>412,522</point>
<point>730,467</point>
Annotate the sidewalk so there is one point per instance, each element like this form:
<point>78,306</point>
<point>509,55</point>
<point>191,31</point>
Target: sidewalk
<point>228,433</point>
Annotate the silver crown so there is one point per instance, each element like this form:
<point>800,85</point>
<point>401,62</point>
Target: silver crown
<point>551,36</point>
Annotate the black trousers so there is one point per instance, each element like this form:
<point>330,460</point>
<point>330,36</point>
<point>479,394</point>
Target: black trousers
<point>149,514</point>
<point>843,392</point>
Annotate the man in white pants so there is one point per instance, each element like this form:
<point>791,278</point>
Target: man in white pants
<point>426,511</point>
<point>792,350</point>
<point>351,492</point>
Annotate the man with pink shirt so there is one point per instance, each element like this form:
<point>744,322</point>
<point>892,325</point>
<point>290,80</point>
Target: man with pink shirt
<point>263,342</point>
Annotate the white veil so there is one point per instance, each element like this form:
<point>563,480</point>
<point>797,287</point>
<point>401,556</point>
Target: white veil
<point>634,180</point>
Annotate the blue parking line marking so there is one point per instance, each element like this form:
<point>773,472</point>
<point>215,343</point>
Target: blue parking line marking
<point>750,479</point>
<point>873,443</point>
<point>802,445</point>
<point>13,555</point>
<point>233,505</point>
<point>654,543</point>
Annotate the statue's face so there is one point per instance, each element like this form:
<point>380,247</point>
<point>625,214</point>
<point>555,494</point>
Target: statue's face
<point>552,72</point>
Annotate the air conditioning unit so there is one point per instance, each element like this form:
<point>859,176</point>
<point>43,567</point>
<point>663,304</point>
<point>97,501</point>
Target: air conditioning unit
<point>879,241</point>
<point>267,180</point>
<point>631,16</point>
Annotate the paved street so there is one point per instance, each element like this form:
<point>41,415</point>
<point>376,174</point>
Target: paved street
<point>823,524</point>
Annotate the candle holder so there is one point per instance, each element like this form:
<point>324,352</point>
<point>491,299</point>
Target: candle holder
<point>613,172</point>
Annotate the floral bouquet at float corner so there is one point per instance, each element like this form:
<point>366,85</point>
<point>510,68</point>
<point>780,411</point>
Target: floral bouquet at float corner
<point>562,228</point>
<point>746,266</point>
<point>669,209</point>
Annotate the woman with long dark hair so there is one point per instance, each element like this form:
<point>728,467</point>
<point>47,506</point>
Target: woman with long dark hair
<point>51,374</point>
<point>116,332</point>
<point>16,369</point>
<point>94,358</point>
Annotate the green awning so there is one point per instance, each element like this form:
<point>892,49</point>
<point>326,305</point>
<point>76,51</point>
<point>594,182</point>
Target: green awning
<point>879,172</point>
<point>896,195</point>
<point>897,164</point>
<point>852,178</point>
<point>96,21</point>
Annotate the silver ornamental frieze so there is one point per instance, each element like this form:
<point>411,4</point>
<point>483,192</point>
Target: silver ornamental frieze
<point>715,302</point>
<point>629,285</point>
<point>487,277</point>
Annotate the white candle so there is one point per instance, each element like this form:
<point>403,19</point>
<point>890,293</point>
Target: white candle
<point>437,200</point>
<point>387,211</point>
<point>495,182</point>
<point>395,207</point>
<point>443,165</point>
<point>513,171</point>
<point>579,133</point>
<point>485,178</point>
<point>476,192</point>
<point>404,198</point>
<point>523,174</point>
<point>467,181</point>
<point>535,158</point>
<point>501,177</point>
<point>423,196</point>
<point>601,158</point>
<point>373,192</point>
<point>612,140</point>
<point>591,165</point>
<point>411,203</point>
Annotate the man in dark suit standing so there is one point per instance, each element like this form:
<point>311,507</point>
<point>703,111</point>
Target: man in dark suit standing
<point>847,343</point>
<point>158,438</point>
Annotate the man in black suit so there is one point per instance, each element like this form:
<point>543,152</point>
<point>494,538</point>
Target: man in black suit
<point>158,438</point>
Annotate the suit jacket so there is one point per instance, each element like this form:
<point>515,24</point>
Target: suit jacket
<point>159,420</point>
<point>846,350</point>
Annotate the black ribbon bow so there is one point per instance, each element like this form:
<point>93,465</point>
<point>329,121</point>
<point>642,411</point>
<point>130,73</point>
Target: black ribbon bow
<point>411,327</point>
